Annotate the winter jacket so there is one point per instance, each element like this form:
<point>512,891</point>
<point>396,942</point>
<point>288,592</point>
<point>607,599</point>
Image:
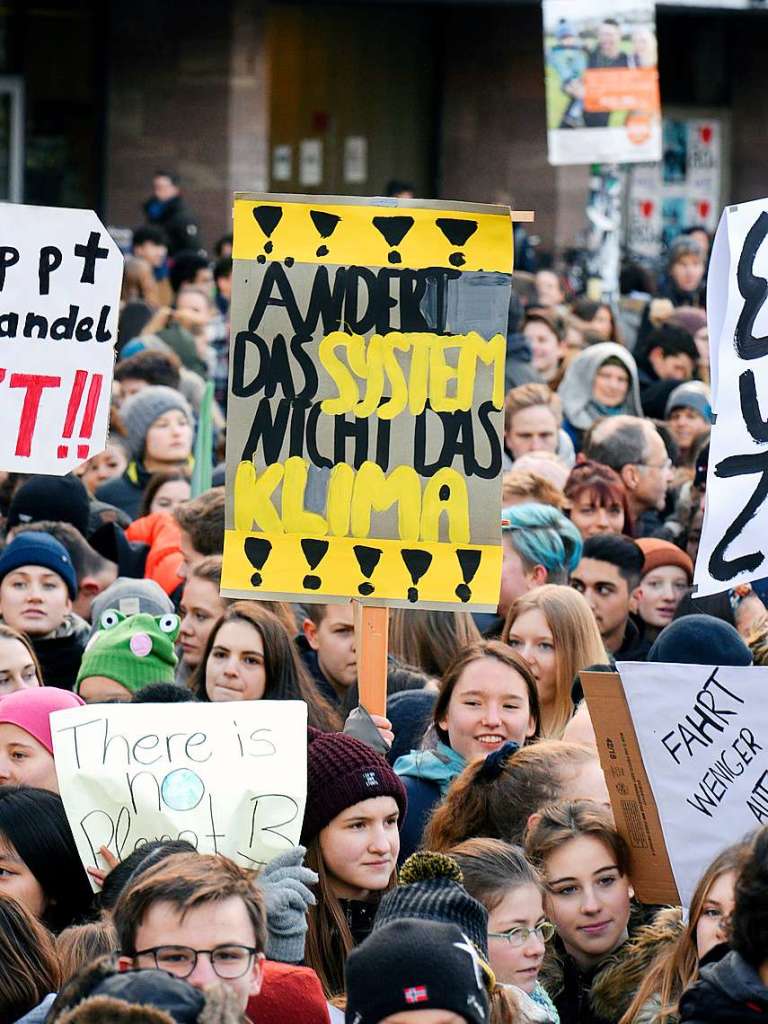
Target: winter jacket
<point>426,775</point>
<point>38,1013</point>
<point>311,662</point>
<point>729,992</point>
<point>602,994</point>
<point>621,978</point>
<point>177,221</point>
<point>126,491</point>
<point>161,533</point>
<point>61,651</point>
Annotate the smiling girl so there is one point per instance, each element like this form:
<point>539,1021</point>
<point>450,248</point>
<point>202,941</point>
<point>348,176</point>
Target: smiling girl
<point>487,697</point>
<point>585,866</point>
<point>250,656</point>
<point>354,805</point>
<point>555,633</point>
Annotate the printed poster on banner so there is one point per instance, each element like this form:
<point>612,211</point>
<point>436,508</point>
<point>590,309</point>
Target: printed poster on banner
<point>367,379</point>
<point>129,774</point>
<point>602,83</point>
<point>680,192</point>
<point>734,539</point>
<point>60,276</point>
<point>703,736</point>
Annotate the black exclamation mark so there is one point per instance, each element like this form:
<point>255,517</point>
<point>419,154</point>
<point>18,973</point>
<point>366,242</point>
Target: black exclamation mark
<point>458,232</point>
<point>257,552</point>
<point>470,563</point>
<point>314,552</point>
<point>394,230</point>
<point>367,559</point>
<point>325,224</point>
<point>417,563</point>
<point>267,217</point>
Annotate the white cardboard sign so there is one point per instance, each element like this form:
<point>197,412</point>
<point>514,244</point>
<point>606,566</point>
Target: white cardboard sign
<point>703,736</point>
<point>734,540</point>
<point>60,275</point>
<point>229,777</point>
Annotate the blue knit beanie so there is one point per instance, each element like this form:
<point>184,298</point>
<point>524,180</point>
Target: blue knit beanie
<point>38,548</point>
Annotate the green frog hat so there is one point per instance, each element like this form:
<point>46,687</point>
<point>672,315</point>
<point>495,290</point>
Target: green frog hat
<point>133,650</point>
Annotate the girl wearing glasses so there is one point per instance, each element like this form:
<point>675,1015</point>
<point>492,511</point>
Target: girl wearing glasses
<point>585,866</point>
<point>499,877</point>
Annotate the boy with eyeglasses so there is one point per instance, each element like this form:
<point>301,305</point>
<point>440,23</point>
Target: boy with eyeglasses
<point>198,917</point>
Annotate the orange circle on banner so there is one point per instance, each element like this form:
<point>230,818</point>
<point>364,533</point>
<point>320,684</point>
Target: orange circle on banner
<point>639,128</point>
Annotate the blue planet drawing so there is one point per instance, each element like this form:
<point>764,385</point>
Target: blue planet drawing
<point>182,789</point>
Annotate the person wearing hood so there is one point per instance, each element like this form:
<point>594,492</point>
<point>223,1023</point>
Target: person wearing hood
<point>736,988</point>
<point>601,381</point>
<point>688,414</point>
<point>37,587</point>
<point>159,426</point>
<point>685,283</point>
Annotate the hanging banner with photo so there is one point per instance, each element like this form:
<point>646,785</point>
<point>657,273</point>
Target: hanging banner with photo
<point>602,83</point>
<point>680,192</point>
<point>734,539</point>
<point>60,276</point>
<point>367,382</point>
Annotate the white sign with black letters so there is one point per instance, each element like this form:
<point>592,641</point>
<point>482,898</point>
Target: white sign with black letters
<point>703,736</point>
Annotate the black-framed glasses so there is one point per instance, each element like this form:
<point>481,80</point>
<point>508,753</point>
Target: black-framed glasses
<point>519,936</point>
<point>228,961</point>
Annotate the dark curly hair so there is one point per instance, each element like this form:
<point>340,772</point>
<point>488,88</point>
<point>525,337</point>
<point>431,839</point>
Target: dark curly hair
<point>749,920</point>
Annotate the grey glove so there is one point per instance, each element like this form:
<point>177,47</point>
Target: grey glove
<point>360,725</point>
<point>285,884</point>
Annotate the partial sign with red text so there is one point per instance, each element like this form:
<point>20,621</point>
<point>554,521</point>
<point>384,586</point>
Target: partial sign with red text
<point>60,275</point>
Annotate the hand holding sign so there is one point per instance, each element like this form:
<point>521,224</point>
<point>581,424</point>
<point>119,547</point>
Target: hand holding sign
<point>229,778</point>
<point>60,275</point>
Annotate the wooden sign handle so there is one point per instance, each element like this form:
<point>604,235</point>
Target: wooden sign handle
<point>371,645</point>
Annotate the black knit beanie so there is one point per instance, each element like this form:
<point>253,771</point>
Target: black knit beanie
<point>415,965</point>
<point>430,889</point>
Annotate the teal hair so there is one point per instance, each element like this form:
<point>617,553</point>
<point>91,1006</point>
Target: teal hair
<point>542,535</point>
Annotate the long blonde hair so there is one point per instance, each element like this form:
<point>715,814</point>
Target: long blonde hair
<point>576,639</point>
<point>677,966</point>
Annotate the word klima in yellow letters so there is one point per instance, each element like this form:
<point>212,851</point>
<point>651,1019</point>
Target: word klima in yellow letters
<point>351,499</point>
<point>430,375</point>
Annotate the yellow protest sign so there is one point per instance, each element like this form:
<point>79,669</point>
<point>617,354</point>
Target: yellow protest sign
<point>367,380</point>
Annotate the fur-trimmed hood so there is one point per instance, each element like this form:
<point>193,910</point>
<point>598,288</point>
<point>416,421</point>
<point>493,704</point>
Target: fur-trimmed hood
<point>101,994</point>
<point>620,975</point>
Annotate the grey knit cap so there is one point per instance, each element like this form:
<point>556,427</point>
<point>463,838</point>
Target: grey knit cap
<point>140,411</point>
<point>131,597</point>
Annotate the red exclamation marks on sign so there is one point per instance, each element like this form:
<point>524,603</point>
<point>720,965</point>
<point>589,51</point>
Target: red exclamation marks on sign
<point>89,413</point>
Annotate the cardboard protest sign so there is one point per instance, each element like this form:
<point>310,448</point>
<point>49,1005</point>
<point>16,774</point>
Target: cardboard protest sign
<point>230,778</point>
<point>703,735</point>
<point>60,275</point>
<point>366,391</point>
<point>634,808</point>
<point>734,540</point>
<point>602,83</point>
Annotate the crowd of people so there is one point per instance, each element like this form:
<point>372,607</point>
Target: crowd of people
<point>459,862</point>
